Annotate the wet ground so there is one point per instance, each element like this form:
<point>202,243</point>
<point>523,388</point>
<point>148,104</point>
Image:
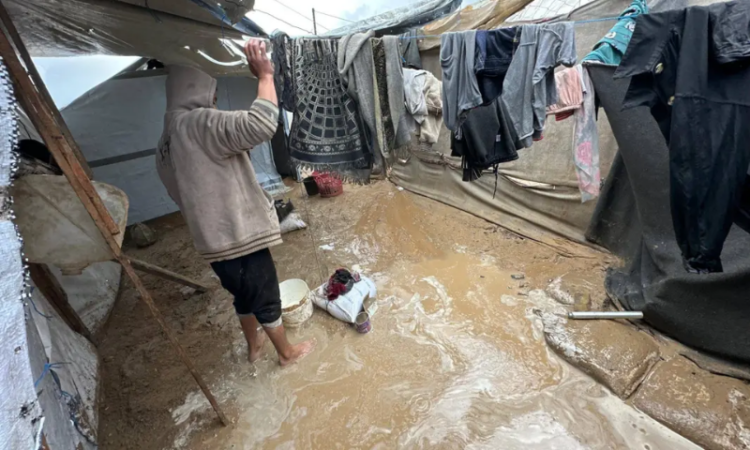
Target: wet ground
<point>456,357</point>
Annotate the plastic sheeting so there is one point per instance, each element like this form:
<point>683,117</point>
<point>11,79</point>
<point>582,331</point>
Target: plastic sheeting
<point>399,20</point>
<point>77,27</point>
<point>20,412</point>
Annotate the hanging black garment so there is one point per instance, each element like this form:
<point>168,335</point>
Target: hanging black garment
<point>492,57</point>
<point>692,67</point>
<point>484,140</point>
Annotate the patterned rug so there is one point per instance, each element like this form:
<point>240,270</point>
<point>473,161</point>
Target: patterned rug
<point>326,133</point>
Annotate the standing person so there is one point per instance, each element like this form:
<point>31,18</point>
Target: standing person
<point>203,160</point>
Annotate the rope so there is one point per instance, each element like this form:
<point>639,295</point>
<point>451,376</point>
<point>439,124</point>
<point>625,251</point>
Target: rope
<point>47,368</point>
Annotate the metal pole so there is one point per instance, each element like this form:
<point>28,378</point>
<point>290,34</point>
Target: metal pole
<point>315,24</point>
<point>589,315</point>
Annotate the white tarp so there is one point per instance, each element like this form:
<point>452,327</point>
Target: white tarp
<point>118,124</point>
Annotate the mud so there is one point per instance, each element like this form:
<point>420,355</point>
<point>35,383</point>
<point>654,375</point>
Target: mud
<point>456,357</point>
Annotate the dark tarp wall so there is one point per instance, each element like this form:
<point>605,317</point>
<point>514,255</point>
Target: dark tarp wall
<point>710,312</point>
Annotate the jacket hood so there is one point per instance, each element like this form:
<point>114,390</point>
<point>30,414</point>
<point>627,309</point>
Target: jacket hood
<point>189,88</point>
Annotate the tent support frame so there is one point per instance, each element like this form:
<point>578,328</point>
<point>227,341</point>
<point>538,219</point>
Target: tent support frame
<point>40,110</point>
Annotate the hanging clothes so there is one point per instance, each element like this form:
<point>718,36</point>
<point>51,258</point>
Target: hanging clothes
<point>409,45</point>
<point>357,69</point>
<point>691,67</point>
<point>586,140</point>
<point>556,46</point>
<point>327,130</point>
<point>387,132</point>
<point>570,91</point>
<point>395,77</point>
<point>281,52</point>
<point>612,46</point>
<point>424,103</point>
<point>518,88</point>
<point>484,140</point>
<point>493,55</point>
<point>460,89</point>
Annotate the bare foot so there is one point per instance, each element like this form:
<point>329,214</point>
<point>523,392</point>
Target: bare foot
<point>298,352</point>
<point>255,353</point>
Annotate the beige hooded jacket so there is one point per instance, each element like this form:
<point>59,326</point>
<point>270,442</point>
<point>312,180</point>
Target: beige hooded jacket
<point>204,163</point>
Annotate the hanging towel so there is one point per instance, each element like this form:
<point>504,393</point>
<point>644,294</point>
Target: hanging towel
<point>586,142</point>
<point>357,69</point>
<point>327,130</point>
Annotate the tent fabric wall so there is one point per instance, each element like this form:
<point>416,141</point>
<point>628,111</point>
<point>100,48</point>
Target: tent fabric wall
<point>118,125</point>
<point>539,191</point>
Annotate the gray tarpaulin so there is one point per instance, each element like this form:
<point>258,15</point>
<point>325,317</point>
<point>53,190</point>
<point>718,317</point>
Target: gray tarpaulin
<point>118,124</point>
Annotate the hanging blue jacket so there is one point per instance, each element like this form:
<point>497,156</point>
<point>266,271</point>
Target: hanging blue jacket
<point>610,49</point>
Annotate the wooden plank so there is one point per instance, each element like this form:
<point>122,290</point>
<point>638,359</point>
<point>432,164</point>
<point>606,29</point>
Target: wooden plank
<point>48,285</point>
<point>146,297</point>
<point>41,116</point>
<point>50,132</point>
<point>143,266</point>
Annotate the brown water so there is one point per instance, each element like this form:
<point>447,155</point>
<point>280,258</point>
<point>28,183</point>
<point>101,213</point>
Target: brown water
<point>455,359</point>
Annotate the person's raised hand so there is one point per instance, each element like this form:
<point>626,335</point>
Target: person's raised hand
<point>257,58</point>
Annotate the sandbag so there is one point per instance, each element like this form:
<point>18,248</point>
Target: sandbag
<point>346,306</point>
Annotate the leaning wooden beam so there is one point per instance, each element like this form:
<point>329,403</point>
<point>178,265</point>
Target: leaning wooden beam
<point>143,266</point>
<point>40,115</point>
<point>48,285</point>
<point>42,87</point>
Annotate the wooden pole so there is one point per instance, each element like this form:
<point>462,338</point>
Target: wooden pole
<point>143,266</point>
<point>42,119</point>
<point>48,285</point>
<point>42,87</point>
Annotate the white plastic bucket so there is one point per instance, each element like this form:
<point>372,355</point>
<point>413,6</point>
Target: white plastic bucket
<point>296,307</point>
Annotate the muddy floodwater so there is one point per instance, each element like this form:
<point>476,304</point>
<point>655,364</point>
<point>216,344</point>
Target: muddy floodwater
<point>456,358</point>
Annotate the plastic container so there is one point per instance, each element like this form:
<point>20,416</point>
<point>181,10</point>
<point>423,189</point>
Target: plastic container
<point>311,187</point>
<point>296,306</point>
<point>329,185</point>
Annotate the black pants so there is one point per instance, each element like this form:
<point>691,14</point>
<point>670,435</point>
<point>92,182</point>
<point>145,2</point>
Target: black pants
<point>253,281</point>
